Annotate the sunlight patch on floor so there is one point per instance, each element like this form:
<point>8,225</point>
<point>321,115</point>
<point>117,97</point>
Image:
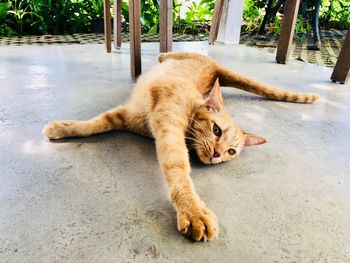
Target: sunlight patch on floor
<point>35,147</point>
<point>255,117</point>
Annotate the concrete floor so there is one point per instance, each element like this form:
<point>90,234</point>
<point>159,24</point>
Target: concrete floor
<point>102,199</point>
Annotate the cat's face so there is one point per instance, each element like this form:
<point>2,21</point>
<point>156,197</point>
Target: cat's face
<point>215,137</point>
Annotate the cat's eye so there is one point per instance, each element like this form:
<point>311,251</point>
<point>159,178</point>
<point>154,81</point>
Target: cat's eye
<point>232,151</point>
<point>216,130</point>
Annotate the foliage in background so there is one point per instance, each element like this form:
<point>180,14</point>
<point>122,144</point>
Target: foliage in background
<point>335,13</point>
<point>62,16</point>
<point>44,16</point>
<point>150,16</point>
<point>19,17</point>
<point>253,14</point>
<point>5,24</point>
<point>188,16</point>
<point>198,14</point>
<point>38,17</point>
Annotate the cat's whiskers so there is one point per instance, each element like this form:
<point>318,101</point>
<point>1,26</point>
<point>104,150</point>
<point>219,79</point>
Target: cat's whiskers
<point>202,136</point>
<point>205,132</point>
<point>203,142</point>
<point>195,146</point>
<point>191,132</point>
<point>195,143</point>
<point>193,139</point>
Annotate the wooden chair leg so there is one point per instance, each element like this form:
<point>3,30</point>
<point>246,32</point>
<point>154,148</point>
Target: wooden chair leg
<point>214,28</point>
<point>107,23</point>
<point>166,25</point>
<point>135,38</point>
<point>288,25</point>
<point>341,70</point>
<point>117,24</point>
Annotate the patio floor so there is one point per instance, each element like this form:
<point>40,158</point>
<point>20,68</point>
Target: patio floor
<point>102,199</point>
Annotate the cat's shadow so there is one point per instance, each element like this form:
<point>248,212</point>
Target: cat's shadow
<point>145,173</point>
<point>133,138</point>
<point>96,138</point>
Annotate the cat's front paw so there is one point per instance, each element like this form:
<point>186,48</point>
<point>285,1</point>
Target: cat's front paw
<point>199,223</point>
<point>57,129</point>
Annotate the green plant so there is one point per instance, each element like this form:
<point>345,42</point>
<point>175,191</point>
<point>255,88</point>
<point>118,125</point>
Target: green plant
<point>149,15</point>
<point>252,15</point>
<point>125,10</point>
<point>335,13</point>
<point>5,29</point>
<point>302,27</point>
<point>62,16</point>
<point>189,16</point>
<point>176,14</point>
<point>199,13</point>
<point>19,13</point>
<point>4,8</point>
<point>194,17</point>
<point>96,10</point>
<point>254,12</point>
<point>276,27</point>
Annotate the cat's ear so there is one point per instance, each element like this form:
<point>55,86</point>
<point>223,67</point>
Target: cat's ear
<point>214,101</point>
<point>250,139</point>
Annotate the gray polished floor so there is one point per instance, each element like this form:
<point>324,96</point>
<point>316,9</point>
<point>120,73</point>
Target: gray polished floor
<point>103,199</point>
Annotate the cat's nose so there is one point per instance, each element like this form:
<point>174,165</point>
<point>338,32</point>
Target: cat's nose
<point>216,154</point>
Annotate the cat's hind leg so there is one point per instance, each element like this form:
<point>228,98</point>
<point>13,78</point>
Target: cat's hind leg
<point>115,119</point>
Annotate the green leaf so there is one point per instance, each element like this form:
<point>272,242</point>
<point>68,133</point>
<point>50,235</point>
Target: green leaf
<point>153,29</point>
<point>4,7</point>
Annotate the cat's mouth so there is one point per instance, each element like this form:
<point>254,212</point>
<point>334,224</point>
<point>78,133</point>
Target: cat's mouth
<point>207,157</point>
<point>215,160</point>
<point>214,156</point>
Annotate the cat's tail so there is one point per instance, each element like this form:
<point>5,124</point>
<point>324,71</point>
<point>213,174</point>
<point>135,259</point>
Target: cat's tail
<point>230,78</point>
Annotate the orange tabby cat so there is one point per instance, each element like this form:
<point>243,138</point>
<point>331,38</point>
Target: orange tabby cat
<point>167,104</point>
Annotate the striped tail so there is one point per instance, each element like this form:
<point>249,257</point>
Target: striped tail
<point>230,78</point>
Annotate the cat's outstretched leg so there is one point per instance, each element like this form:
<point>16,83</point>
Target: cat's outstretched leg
<point>194,219</point>
<point>233,79</point>
<point>115,119</point>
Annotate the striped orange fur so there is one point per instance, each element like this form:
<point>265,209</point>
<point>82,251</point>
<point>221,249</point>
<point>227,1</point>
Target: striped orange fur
<point>170,104</point>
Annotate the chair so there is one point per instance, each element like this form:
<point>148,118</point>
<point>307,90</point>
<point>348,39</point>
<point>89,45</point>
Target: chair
<point>272,10</point>
<point>165,30</point>
<point>342,67</point>
<point>341,70</point>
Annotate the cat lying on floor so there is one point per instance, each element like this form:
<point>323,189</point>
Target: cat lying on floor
<point>167,104</point>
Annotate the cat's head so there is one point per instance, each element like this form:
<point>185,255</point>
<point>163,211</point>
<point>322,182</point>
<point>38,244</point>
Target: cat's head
<point>215,136</point>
